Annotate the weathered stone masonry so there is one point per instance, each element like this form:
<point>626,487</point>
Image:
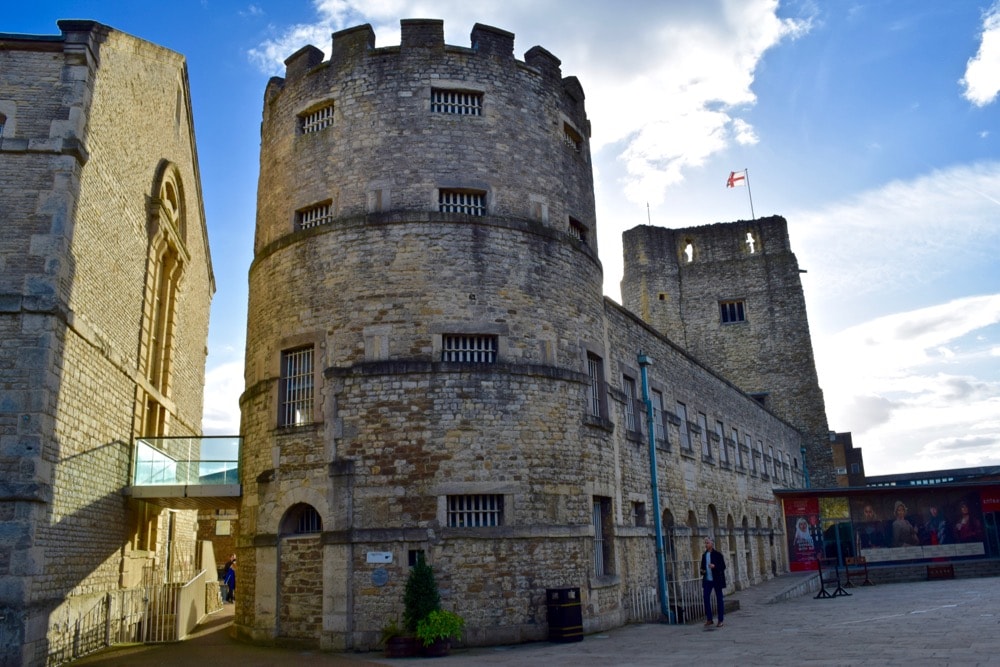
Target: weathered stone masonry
<point>359,260</point>
<point>97,124</point>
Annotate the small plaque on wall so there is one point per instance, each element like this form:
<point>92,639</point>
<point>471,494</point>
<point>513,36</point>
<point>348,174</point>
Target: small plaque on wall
<point>379,556</point>
<point>380,577</point>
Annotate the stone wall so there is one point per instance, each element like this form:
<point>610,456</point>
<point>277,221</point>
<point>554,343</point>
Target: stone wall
<point>397,430</point>
<point>93,115</point>
<point>675,279</point>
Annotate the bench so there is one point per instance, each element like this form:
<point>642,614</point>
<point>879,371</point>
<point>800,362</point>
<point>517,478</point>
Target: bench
<point>858,567</point>
<point>940,572</point>
<point>829,573</point>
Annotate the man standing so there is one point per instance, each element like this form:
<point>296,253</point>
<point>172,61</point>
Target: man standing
<point>713,577</point>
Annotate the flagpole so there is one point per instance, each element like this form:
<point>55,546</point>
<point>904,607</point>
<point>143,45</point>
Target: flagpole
<point>746,174</point>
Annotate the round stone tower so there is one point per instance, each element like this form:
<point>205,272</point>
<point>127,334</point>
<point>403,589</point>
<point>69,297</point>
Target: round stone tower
<point>425,302</point>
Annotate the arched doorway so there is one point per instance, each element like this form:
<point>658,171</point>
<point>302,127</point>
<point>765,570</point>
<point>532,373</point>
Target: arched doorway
<point>694,549</point>
<point>669,547</point>
<point>761,555</point>
<point>300,573</point>
<point>747,554</point>
<point>732,552</point>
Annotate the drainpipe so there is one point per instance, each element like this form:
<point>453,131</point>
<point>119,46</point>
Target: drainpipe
<point>805,470</point>
<point>661,578</point>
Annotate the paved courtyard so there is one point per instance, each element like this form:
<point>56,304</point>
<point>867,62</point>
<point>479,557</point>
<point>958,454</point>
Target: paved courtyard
<point>937,623</point>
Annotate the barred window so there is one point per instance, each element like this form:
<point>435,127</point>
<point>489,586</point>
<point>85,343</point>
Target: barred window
<point>595,369</point>
<point>683,429</point>
<point>603,540</point>
<point>475,511</point>
<point>469,348</point>
<point>459,102</point>
<point>316,120</point>
<point>631,416</point>
<point>308,521</point>
<point>314,216</point>
<point>572,138</point>
<point>296,387</point>
<point>732,311</point>
<point>657,400</point>
<point>577,229</point>
<point>462,201</point>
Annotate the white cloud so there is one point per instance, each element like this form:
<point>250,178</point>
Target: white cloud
<point>897,237</point>
<point>908,386</point>
<point>671,92</point>
<point>982,72</point>
<point>223,386</point>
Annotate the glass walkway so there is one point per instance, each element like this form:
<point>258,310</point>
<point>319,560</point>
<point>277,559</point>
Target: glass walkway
<point>187,472</point>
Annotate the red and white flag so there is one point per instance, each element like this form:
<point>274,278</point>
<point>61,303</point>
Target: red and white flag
<point>736,179</point>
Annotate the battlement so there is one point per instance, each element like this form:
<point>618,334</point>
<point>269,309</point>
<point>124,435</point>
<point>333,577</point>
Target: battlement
<point>425,38</point>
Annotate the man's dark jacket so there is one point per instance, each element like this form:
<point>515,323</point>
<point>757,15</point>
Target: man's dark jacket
<point>719,571</point>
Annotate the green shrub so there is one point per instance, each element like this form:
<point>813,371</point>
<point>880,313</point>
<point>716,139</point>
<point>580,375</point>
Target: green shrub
<point>421,596</point>
<point>439,624</point>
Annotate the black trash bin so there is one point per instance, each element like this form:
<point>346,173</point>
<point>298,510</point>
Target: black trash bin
<point>565,614</point>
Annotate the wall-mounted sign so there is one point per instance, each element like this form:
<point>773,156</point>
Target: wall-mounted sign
<point>379,556</point>
<point>380,577</point>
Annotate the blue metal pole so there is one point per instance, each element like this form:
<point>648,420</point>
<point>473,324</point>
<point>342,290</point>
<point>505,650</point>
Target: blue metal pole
<point>661,578</point>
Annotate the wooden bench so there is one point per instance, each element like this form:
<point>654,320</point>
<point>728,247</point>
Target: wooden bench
<point>829,573</point>
<point>858,567</point>
<point>940,572</point>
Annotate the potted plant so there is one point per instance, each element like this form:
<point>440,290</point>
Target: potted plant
<point>421,596</point>
<point>397,643</point>
<point>437,629</point>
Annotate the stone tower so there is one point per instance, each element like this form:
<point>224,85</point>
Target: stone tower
<point>424,293</point>
<point>731,294</point>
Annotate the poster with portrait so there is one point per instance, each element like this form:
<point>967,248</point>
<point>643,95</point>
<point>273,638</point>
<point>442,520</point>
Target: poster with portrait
<point>805,536</point>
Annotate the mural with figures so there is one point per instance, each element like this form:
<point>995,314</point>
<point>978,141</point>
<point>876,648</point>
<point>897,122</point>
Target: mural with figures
<point>899,525</point>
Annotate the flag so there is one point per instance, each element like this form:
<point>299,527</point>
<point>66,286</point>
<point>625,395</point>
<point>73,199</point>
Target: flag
<point>736,178</point>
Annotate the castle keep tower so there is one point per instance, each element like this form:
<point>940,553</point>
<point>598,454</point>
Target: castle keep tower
<point>730,294</point>
<point>423,298</point>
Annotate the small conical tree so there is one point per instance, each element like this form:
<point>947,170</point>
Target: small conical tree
<point>421,597</point>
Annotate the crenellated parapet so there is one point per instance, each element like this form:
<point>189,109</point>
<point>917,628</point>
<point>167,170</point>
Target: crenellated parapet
<point>373,130</point>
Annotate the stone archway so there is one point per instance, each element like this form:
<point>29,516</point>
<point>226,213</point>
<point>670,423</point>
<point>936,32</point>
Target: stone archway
<point>694,549</point>
<point>761,554</point>
<point>300,573</point>
<point>747,553</point>
<point>669,546</point>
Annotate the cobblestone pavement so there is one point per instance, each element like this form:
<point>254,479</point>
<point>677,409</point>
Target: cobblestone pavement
<point>936,623</point>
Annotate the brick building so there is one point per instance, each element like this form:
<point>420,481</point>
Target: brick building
<point>432,367</point>
<point>105,286</point>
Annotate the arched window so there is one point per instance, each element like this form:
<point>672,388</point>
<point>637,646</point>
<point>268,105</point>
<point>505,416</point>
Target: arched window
<point>164,268</point>
<point>301,519</point>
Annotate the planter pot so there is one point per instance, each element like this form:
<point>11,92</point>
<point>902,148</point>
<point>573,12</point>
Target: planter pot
<point>402,647</point>
<point>438,649</point>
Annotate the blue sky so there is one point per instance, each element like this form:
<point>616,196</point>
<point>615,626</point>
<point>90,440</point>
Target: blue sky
<point>872,126</point>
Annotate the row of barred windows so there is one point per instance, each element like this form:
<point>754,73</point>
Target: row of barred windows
<point>772,465</point>
<point>463,201</point>
<point>442,101</point>
<point>297,392</point>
